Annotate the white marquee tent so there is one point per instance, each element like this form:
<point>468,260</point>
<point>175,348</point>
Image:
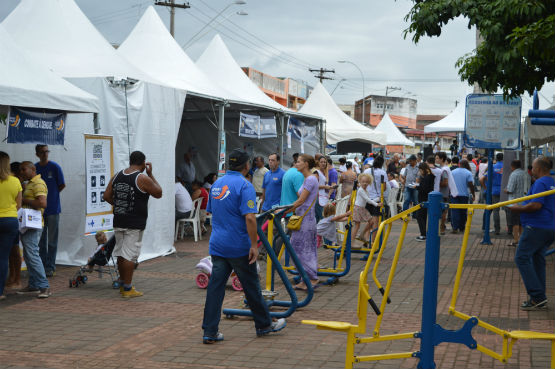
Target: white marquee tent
<point>539,135</point>
<point>394,135</point>
<point>141,116</point>
<point>25,83</point>
<point>454,122</point>
<point>339,126</point>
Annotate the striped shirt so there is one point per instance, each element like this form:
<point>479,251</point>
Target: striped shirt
<point>517,182</point>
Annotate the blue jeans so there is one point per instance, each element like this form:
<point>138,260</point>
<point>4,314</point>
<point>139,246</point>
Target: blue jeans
<point>458,216</point>
<point>248,276</point>
<point>48,244</point>
<point>530,259</point>
<point>37,276</point>
<point>318,211</point>
<point>8,233</point>
<point>411,195</point>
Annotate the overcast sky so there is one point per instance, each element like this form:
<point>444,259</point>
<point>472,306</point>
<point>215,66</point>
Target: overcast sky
<point>293,36</point>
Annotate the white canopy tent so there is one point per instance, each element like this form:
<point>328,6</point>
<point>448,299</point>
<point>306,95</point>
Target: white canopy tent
<point>454,122</point>
<point>339,126</point>
<point>394,135</point>
<point>140,115</point>
<point>539,135</point>
<point>25,83</point>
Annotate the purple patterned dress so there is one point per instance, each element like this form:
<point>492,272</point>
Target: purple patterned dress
<point>304,240</point>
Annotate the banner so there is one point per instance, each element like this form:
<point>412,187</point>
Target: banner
<point>221,161</point>
<point>295,128</point>
<point>249,125</point>
<point>99,167</point>
<point>36,126</point>
<point>267,127</point>
<point>491,122</point>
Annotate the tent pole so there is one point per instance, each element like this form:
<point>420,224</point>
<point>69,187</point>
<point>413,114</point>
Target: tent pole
<point>282,134</point>
<point>221,139</point>
<point>322,128</point>
<point>96,125</point>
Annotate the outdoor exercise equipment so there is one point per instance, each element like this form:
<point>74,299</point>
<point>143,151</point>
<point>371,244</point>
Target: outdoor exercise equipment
<point>431,334</point>
<point>272,263</point>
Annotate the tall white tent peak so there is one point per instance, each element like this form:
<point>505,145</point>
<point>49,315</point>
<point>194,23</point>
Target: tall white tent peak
<point>454,122</point>
<point>394,135</point>
<point>218,63</point>
<point>57,33</point>
<point>339,126</point>
<point>26,83</point>
<point>152,49</point>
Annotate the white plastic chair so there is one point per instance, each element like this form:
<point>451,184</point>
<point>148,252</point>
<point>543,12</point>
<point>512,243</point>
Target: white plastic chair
<point>194,220</point>
<point>392,200</point>
<point>341,208</point>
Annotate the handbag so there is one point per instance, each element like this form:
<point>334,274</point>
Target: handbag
<point>295,221</point>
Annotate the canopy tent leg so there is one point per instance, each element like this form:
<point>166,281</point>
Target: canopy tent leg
<point>96,124</point>
<point>282,135</point>
<point>221,139</point>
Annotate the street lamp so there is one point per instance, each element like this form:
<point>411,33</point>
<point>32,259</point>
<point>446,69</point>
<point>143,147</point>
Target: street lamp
<point>219,22</point>
<point>236,2</point>
<point>362,75</point>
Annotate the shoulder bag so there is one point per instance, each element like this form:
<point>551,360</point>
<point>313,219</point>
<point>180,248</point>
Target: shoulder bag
<point>295,221</point>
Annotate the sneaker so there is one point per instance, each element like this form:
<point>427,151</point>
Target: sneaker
<point>276,326</point>
<point>421,238</point>
<point>2,297</point>
<point>207,340</point>
<point>533,305</point>
<point>454,231</point>
<point>44,293</point>
<point>131,293</point>
<point>50,274</point>
<point>28,290</point>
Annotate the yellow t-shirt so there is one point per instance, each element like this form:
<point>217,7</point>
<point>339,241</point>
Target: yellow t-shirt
<point>35,188</point>
<point>8,192</point>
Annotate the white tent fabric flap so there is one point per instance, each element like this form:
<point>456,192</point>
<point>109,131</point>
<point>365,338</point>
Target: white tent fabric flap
<point>394,135</point>
<point>152,49</point>
<point>454,122</point>
<point>59,34</point>
<point>539,135</point>
<point>25,83</point>
<point>217,62</point>
<point>339,126</point>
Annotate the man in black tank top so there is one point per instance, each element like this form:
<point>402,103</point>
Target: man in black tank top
<point>128,192</point>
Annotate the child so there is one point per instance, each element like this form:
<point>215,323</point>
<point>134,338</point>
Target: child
<point>360,213</point>
<point>326,226</point>
<point>198,191</point>
<point>102,252</point>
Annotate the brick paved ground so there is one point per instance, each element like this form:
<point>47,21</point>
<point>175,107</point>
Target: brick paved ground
<point>92,327</point>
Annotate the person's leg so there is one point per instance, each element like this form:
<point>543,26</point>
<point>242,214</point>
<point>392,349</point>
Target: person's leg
<point>462,213</point>
<point>302,242</point>
<point>248,276</point>
<point>496,218</point>
<point>454,214</point>
<point>509,220</point>
<point>8,230</point>
<point>318,211</point>
<point>407,198</point>
<point>529,244</point>
<point>43,243</point>
<point>14,278</point>
<point>215,293</point>
<point>420,218</point>
<point>35,269</point>
<point>127,251</point>
<point>53,222</point>
<point>545,237</point>
<point>356,226</point>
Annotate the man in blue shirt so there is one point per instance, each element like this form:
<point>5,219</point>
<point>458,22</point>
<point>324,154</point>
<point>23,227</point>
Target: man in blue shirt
<point>52,174</point>
<point>464,180</point>
<point>271,186</point>
<point>496,190</point>
<point>233,247</point>
<point>537,217</point>
<point>291,183</point>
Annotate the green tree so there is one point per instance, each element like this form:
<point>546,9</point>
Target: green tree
<point>517,54</point>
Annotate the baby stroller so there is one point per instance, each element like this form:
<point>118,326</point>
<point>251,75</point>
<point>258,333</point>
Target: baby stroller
<point>101,258</point>
<point>205,269</point>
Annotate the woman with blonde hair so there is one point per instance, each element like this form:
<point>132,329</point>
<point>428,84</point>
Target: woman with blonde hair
<point>10,202</point>
<point>360,213</point>
<point>303,240</point>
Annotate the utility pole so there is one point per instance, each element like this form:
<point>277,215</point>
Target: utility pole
<point>172,5</point>
<point>321,73</point>
<point>386,92</point>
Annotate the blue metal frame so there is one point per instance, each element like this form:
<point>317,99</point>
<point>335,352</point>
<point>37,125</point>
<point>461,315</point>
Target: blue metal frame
<point>294,303</point>
<point>487,213</point>
<point>540,117</point>
<point>432,334</point>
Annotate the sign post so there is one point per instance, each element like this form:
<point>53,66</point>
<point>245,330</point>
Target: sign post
<point>99,166</point>
<point>491,122</point>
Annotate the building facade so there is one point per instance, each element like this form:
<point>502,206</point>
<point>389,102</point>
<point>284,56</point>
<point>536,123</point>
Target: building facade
<point>402,110</point>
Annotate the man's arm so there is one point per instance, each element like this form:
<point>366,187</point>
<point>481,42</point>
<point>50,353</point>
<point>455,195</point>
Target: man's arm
<point>61,180</point>
<point>528,208</point>
<point>262,197</point>
<point>149,184</point>
<point>471,186</point>
<point>38,203</point>
<point>250,220</point>
<point>109,193</point>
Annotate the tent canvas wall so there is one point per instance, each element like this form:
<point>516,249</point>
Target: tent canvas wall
<point>59,34</point>
<point>394,135</point>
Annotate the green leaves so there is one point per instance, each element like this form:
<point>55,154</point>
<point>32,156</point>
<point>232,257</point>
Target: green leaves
<point>518,51</point>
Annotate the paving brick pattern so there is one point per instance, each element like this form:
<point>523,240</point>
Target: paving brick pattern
<point>92,327</point>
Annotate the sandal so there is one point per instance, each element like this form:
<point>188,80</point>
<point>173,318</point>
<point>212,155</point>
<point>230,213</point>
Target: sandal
<point>513,244</point>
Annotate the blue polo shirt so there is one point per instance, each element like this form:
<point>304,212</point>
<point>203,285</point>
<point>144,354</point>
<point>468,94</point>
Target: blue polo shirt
<point>291,182</point>
<point>231,198</point>
<point>462,177</point>
<point>545,217</point>
<point>53,176</point>
<point>497,177</point>
<point>272,184</point>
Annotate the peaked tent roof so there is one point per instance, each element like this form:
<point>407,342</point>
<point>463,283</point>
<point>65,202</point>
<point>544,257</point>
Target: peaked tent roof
<point>152,49</point>
<point>394,135</point>
<point>339,126</point>
<point>25,83</point>
<point>59,34</point>
<point>454,122</point>
<point>217,62</point>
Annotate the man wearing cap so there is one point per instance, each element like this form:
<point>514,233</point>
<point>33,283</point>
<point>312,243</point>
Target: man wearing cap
<point>187,171</point>
<point>409,179</point>
<point>233,246</point>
